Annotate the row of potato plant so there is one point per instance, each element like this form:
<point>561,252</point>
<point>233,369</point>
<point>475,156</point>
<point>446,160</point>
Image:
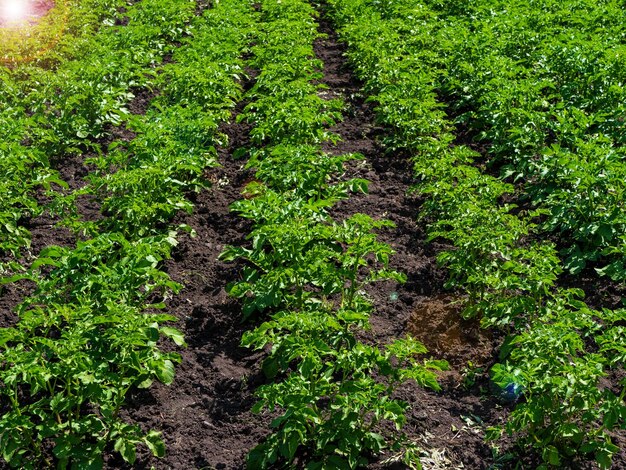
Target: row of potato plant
<point>27,167</point>
<point>89,333</point>
<point>543,84</point>
<point>65,102</point>
<point>306,272</point>
<point>557,350</point>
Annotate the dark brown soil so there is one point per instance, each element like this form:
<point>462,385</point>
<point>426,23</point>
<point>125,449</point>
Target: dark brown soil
<point>205,414</point>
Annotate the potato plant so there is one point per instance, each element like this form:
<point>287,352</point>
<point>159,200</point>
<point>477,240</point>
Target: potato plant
<point>496,65</point>
<point>91,332</point>
<point>27,168</point>
<point>306,273</point>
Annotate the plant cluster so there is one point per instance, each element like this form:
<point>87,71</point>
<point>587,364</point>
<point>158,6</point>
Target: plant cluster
<point>306,272</point>
<point>411,56</point>
<point>543,85</point>
<point>26,89</point>
<point>91,332</point>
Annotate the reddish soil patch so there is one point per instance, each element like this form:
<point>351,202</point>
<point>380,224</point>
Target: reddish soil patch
<point>438,324</point>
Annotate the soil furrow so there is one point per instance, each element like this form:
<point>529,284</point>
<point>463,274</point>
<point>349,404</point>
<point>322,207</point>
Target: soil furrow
<point>205,414</point>
<point>420,307</point>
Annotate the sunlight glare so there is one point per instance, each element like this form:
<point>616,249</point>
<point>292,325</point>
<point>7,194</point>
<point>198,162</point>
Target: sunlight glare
<point>13,10</point>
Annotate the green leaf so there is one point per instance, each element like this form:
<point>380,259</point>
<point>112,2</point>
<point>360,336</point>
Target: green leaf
<point>258,407</point>
<point>551,455</point>
<point>174,334</point>
<point>7,335</point>
<point>290,445</point>
<point>127,449</point>
<point>154,442</point>
<point>270,367</point>
<point>604,459</point>
<point>165,372</point>
<point>338,463</point>
<point>493,433</point>
<point>147,383</point>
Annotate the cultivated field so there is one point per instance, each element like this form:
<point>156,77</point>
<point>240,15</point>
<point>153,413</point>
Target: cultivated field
<point>323,235</point>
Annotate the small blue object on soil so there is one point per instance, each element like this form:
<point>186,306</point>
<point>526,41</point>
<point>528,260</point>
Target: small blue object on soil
<point>511,392</point>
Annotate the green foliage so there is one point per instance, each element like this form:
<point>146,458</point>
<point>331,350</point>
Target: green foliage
<point>63,360</point>
<point>536,84</point>
<point>90,333</point>
<point>563,403</point>
<point>82,342</point>
<point>309,272</point>
<point>543,85</point>
<point>333,403</point>
<point>305,170</point>
<point>57,104</point>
